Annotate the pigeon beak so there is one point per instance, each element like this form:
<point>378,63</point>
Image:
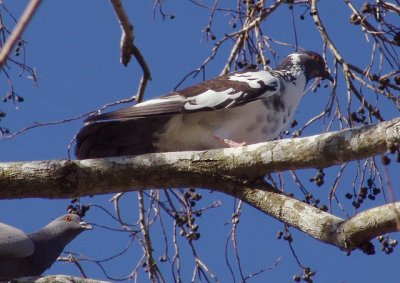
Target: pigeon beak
<point>326,75</point>
<point>85,226</point>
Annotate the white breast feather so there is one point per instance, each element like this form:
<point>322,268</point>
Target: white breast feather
<point>251,123</point>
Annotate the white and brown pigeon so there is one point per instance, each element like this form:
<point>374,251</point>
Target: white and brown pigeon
<point>240,108</point>
<point>24,255</point>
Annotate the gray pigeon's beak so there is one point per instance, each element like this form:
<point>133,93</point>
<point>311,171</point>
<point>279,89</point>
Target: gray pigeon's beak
<point>85,225</point>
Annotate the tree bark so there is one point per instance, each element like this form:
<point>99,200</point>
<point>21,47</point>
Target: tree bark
<point>213,169</point>
<point>235,171</point>
<point>346,234</point>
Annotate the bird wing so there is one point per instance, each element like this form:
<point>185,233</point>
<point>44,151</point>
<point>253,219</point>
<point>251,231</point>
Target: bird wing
<point>14,242</point>
<point>222,92</point>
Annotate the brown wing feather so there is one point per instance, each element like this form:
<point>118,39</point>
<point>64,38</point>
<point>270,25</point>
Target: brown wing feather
<point>130,112</point>
<point>166,105</point>
<point>117,138</point>
<point>216,84</point>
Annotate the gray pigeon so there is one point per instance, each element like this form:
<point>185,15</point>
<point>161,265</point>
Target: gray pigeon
<point>240,108</point>
<point>31,254</point>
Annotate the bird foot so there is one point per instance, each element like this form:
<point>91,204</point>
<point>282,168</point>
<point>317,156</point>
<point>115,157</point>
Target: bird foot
<point>229,143</point>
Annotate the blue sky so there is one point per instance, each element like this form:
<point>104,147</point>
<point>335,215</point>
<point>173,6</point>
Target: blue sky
<point>75,48</point>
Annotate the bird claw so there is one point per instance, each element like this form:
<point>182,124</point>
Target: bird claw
<point>229,143</point>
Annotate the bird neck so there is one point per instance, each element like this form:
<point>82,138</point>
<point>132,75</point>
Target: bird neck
<point>47,250</point>
<point>290,62</point>
<point>51,243</point>
<point>291,66</point>
<point>47,234</point>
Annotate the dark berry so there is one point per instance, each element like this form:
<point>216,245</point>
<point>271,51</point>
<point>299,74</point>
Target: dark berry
<point>385,160</point>
<point>376,191</point>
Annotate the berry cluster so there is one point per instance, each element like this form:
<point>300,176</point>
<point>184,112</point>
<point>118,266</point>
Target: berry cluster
<point>186,222</point>
<point>306,276</point>
<point>319,178</point>
<point>76,208</point>
<point>370,191</point>
<point>309,199</point>
<point>387,245</point>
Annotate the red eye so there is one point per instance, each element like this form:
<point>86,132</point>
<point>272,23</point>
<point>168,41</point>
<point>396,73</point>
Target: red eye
<point>68,218</point>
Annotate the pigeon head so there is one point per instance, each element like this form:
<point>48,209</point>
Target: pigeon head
<point>51,240</point>
<point>70,222</point>
<point>312,64</point>
<point>66,227</point>
<point>31,254</point>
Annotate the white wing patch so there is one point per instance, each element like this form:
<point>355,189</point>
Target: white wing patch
<point>211,98</point>
<point>253,78</point>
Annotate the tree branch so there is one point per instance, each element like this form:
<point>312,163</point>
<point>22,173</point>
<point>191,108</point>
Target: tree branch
<point>128,47</point>
<point>205,169</point>
<point>234,171</point>
<point>345,234</point>
<point>368,225</point>
<point>127,37</point>
<point>18,30</point>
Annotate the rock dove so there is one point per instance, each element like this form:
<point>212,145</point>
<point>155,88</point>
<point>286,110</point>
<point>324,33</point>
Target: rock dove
<point>31,254</point>
<point>244,107</point>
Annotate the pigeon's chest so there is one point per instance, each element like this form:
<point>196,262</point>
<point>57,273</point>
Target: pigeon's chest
<point>254,122</point>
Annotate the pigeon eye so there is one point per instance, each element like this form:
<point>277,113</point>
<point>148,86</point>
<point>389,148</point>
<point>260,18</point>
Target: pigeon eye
<point>68,218</point>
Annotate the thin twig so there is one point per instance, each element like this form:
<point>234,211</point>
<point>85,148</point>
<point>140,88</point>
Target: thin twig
<point>235,222</point>
<point>18,30</point>
<point>128,47</point>
<point>146,73</point>
<point>346,70</point>
<point>254,274</point>
<point>127,37</point>
<point>71,259</point>
<point>154,273</point>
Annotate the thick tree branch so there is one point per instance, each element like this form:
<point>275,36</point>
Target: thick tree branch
<point>345,234</point>
<point>234,171</point>
<point>368,225</point>
<point>206,169</point>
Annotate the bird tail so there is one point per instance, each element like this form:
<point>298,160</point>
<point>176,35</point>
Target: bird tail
<point>118,138</point>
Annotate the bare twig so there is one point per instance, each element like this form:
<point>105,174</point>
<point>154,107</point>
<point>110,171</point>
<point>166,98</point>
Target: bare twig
<point>235,223</point>
<point>146,74</point>
<point>346,70</point>
<point>127,37</point>
<point>273,266</point>
<point>70,258</point>
<point>128,47</point>
<point>18,30</point>
<point>391,7</point>
<point>370,28</point>
<point>151,265</point>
